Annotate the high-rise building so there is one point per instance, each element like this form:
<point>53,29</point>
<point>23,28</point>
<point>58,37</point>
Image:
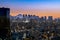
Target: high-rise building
<point>44,18</point>
<point>4,22</point>
<point>50,18</point>
<point>5,12</point>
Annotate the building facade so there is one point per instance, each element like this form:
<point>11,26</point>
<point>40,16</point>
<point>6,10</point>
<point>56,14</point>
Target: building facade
<point>4,22</point>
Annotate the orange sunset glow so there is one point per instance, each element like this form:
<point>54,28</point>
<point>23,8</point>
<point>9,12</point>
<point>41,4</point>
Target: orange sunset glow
<point>33,7</point>
<point>54,13</point>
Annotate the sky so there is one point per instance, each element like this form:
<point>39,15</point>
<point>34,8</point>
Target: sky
<point>33,7</point>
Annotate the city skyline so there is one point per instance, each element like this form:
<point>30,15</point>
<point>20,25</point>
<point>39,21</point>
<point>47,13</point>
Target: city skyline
<point>34,7</point>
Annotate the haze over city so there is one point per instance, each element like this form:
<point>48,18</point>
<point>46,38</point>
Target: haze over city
<point>30,19</point>
<point>33,7</point>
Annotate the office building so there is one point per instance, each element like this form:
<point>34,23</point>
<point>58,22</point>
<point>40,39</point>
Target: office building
<point>4,22</point>
<point>50,18</point>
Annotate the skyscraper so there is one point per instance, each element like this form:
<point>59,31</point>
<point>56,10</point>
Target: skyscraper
<point>44,18</point>
<point>4,22</point>
<point>4,12</point>
<point>50,18</point>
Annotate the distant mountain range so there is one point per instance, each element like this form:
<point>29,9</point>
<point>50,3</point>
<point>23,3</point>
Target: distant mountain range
<point>15,17</point>
<point>20,16</point>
